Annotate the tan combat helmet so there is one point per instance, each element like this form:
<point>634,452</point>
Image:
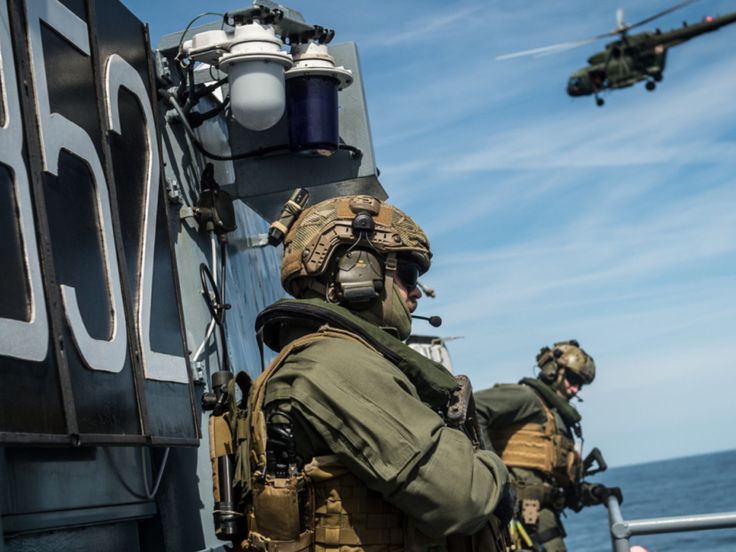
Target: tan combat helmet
<point>348,248</point>
<point>568,355</point>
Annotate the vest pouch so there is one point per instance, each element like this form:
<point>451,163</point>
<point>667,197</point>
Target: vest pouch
<point>563,452</point>
<point>348,517</point>
<point>525,446</point>
<point>276,508</point>
<point>560,451</point>
<point>574,466</point>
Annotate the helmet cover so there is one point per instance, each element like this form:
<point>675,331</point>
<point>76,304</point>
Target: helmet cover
<point>569,355</point>
<point>323,229</point>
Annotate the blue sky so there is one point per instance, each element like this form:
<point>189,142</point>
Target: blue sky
<point>551,218</point>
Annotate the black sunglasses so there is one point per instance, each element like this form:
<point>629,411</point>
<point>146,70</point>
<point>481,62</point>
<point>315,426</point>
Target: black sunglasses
<point>574,379</point>
<point>408,273</point>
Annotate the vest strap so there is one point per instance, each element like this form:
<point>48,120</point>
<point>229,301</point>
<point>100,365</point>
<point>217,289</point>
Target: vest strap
<point>261,543</point>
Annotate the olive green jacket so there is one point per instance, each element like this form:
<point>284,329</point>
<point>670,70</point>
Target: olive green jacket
<point>512,403</point>
<point>343,398</point>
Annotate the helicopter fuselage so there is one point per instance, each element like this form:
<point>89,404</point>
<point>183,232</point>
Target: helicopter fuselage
<point>635,58</point>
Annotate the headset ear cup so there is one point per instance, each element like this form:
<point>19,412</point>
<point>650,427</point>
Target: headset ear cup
<point>359,277</point>
<point>548,373</point>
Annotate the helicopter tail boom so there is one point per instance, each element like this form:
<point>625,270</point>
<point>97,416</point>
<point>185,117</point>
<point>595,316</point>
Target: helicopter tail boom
<point>688,31</point>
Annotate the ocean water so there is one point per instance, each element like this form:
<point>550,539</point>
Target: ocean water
<point>681,486</point>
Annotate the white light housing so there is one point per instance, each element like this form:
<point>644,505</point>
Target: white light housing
<point>255,67</point>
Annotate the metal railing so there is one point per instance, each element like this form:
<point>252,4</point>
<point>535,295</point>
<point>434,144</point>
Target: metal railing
<point>621,529</point>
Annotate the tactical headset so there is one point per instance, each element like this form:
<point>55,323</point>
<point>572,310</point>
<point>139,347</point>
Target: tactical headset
<point>358,276</point>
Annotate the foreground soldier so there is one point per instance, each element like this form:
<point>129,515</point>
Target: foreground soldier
<point>531,426</point>
<point>349,447</point>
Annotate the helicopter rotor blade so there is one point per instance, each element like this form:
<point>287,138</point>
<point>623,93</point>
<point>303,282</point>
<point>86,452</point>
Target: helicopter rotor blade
<point>552,49</point>
<point>660,14</point>
<point>620,23</point>
<point>621,29</point>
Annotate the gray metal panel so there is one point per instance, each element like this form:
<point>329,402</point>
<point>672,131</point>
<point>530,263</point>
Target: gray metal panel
<point>50,479</point>
<point>265,183</point>
<point>118,537</point>
<point>23,523</point>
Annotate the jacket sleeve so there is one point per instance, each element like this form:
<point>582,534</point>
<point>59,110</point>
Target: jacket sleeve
<point>504,405</point>
<point>368,413</point>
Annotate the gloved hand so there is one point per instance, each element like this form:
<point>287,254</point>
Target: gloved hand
<point>506,506</point>
<point>601,493</point>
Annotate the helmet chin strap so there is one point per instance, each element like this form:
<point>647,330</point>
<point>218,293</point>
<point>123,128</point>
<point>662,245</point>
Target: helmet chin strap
<point>388,283</point>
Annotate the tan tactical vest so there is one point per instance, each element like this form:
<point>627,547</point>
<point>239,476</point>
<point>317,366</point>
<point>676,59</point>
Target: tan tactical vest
<point>323,507</point>
<point>544,447</point>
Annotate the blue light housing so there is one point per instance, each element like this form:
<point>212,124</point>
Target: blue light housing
<point>312,110</point>
<point>311,99</point>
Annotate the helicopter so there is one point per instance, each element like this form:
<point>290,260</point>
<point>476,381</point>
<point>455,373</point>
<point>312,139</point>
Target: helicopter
<point>632,57</point>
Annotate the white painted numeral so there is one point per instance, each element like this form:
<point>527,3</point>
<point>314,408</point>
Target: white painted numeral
<point>57,133</point>
<point>26,340</point>
<point>119,74</point>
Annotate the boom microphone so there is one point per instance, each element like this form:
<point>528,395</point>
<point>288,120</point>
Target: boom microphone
<point>435,321</point>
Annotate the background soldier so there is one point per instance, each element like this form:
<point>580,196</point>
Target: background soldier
<point>349,446</point>
<point>532,426</point>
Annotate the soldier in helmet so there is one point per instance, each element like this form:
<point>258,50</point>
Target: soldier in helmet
<point>349,447</point>
<point>533,426</point>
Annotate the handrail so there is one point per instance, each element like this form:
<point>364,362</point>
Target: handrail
<point>621,529</point>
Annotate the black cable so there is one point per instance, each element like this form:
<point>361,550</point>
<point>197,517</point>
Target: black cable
<point>178,57</point>
<point>196,118</point>
<point>212,297</point>
<point>188,75</point>
<point>356,152</point>
<point>214,301</point>
<point>260,152</point>
<point>195,94</point>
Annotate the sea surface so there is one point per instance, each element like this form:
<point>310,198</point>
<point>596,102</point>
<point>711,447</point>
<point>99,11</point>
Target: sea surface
<point>681,486</point>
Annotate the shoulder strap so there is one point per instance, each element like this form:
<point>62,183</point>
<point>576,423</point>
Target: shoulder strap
<point>550,426</point>
<point>256,416</point>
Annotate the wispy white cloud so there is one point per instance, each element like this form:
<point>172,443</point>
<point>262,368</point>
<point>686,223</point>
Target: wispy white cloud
<point>592,257</point>
<point>426,26</point>
<point>672,130</point>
